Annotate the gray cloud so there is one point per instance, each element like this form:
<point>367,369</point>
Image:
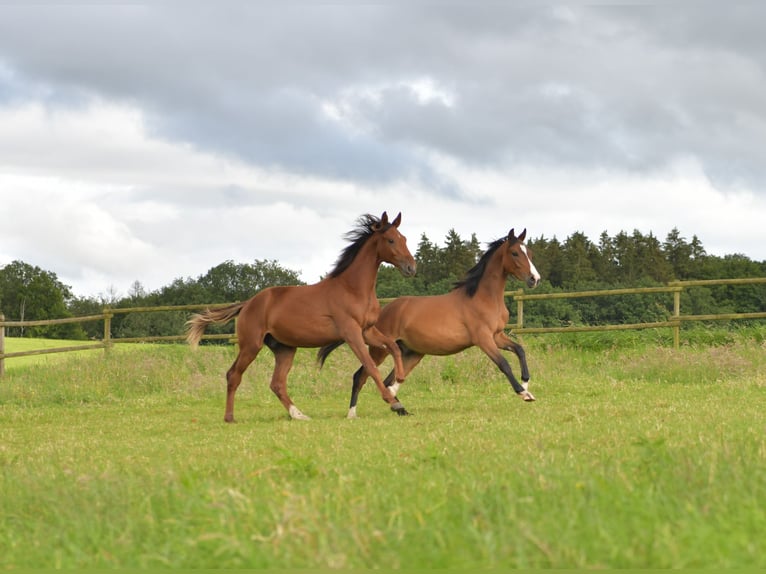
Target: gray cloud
<point>454,100</point>
<point>630,87</point>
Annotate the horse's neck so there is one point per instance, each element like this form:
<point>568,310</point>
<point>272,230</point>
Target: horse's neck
<point>362,274</point>
<point>492,283</point>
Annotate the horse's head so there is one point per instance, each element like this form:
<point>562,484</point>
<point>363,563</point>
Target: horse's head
<point>392,245</point>
<point>517,262</point>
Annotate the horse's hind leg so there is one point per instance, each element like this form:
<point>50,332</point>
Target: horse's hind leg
<point>488,345</point>
<point>410,359</point>
<point>358,344</point>
<point>234,378</point>
<point>360,378</point>
<point>505,342</point>
<point>283,362</point>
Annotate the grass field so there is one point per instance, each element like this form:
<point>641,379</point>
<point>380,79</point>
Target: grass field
<point>20,344</point>
<point>634,455</point>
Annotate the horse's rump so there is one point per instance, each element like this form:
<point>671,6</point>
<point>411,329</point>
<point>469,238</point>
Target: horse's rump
<point>295,315</point>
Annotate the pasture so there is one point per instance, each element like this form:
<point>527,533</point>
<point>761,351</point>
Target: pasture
<point>634,455</point>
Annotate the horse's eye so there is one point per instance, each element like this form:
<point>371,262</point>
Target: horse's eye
<point>391,241</point>
<point>514,254</point>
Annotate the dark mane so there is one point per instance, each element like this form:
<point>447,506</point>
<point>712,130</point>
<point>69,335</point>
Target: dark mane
<point>357,237</point>
<point>471,280</point>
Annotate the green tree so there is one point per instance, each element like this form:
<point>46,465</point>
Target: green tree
<point>651,258</point>
<point>391,283</point>
<point>557,272</point>
<point>458,256</point>
<point>32,294</point>
<point>678,254</point>
<point>84,306</point>
<point>186,291</point>
<point>224,283</point>
<point>429,264</point>
<point>606,265</point>
<point>577,256</point>
<point>231,281</point>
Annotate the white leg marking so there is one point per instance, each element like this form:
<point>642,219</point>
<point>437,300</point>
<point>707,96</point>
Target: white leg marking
<point>296,414</point>
<point>394,388</point>
<point>525,385</point>
<point>351,413</point>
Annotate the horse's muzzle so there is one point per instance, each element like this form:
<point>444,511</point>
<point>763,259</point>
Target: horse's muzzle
<point>533,282</point>
<point>408,269</point>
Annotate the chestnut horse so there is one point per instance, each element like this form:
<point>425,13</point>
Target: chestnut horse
<point>472,314</point>
<point>342,307</point>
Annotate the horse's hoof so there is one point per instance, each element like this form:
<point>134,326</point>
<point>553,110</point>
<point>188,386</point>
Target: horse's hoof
<point>399,409</point>
<point>527,396</point>
<point>228,419</point>
<point>297,415</point>
<point>351,413</point>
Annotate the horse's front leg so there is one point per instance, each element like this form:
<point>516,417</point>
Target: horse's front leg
<point>489,346</point>
<point>375,338</point>
<point>356,340</point>
<point>504,342</point>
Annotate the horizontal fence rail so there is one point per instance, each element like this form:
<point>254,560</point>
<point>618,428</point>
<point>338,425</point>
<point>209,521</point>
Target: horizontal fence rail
<point>674,321</point>
<point>107,341</point>
<point>520,296</point>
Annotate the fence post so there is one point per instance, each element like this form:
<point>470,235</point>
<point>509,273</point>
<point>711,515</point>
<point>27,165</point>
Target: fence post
<point>677,315</point>
<point>2,345</point>
<point>107,330</point>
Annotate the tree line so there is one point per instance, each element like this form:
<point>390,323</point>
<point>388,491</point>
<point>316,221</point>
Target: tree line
<point>577,263</point>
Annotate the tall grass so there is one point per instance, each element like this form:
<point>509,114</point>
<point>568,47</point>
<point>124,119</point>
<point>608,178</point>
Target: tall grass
<point>633,456</point>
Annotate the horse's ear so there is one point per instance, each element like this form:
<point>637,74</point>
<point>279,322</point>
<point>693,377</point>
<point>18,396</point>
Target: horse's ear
<point>511,237</point>
<point>397,220</point>
<point>523,234</point>
<point>382,223</point>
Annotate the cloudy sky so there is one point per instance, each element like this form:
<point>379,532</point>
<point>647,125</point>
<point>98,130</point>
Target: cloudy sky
<point>153,140</point>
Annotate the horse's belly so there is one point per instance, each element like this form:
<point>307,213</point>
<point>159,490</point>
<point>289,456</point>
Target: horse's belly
<point>316,333</point>
<point>446,338</point>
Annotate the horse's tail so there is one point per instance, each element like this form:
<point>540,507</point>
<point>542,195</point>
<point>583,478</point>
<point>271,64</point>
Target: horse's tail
<point>196,325</point>
<point>325,351</point>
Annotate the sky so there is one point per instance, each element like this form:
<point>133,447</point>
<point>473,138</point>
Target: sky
<point>151,141</point>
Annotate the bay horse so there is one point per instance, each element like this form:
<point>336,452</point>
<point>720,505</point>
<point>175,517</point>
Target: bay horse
<point>342,307</point>
<point>473,313</point>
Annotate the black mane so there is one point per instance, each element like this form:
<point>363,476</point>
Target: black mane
<point>471,280</point>
<point>358,237</point>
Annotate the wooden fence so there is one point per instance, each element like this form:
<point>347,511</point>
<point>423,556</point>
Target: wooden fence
<point>107,341</point>
<point>520,296</point>
<point>674,321</point>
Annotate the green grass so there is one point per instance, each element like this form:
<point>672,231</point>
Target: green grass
<point>22,344</point>
<point>633,456</point>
